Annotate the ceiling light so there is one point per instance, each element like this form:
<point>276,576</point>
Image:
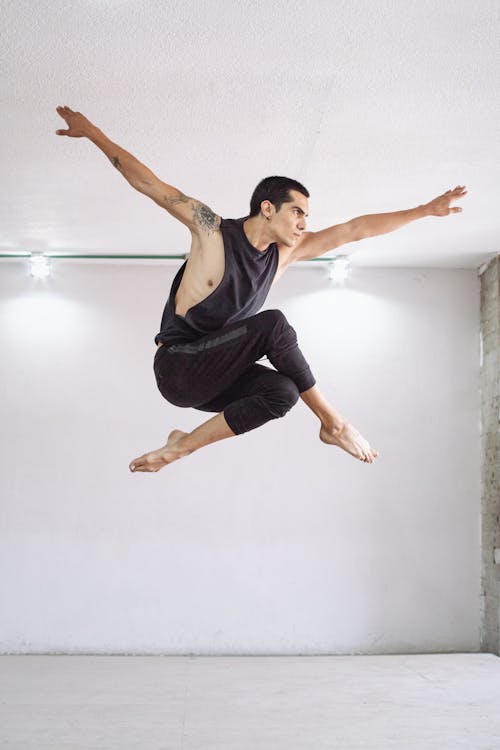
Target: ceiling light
<point>339,269</point>
<point>39,266</point>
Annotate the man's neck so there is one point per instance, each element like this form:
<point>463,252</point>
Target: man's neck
<point>257,233</point>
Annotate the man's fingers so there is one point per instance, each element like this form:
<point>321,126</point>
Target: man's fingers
<point>64,112</point>
<point>459,189</point>
<point>455,210</point>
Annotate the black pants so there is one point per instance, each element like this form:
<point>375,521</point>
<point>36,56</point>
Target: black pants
<point>217,373</point>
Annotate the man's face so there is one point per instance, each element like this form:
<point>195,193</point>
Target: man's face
<point>289,222</point>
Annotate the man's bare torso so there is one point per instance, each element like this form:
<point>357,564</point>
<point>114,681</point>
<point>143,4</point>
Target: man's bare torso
<point>205,270</point>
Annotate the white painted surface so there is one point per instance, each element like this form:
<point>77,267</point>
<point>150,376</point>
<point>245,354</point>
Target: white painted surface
<point>267,543</point>
<point>375,105</point>
<point>273,703</point>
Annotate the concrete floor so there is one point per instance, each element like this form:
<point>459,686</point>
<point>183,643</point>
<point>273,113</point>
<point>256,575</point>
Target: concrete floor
<point>258,703</point>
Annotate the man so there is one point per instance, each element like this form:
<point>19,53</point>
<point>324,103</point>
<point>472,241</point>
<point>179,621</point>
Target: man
<point>211,336</point>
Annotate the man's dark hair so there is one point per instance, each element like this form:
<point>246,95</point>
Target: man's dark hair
<point>276,190</point>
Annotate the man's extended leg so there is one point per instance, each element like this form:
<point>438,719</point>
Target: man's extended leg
<point>334,430</point>
<point>259,395</point>
<point>180,444</point>
<point>215,374</point>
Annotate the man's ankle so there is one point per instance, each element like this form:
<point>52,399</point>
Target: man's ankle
<point>334,424</point>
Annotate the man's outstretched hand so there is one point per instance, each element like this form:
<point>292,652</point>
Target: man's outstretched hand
<point>440,206</point>
<point>78,125</point>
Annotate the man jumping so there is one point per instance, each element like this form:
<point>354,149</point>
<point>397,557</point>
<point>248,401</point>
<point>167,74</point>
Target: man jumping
<point>211,333</point>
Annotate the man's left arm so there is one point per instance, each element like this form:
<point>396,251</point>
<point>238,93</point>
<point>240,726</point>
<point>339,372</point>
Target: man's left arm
<point>313,244</point>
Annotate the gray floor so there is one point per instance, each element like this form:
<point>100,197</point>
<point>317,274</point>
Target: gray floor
<point>269,703</point>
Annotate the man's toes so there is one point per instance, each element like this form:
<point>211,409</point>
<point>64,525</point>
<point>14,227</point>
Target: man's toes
<point>136,465</point>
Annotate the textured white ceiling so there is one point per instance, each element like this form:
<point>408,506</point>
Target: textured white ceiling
<point>375,106</point>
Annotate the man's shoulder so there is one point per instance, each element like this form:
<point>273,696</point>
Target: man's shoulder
<point>233,229</point>
<point>232,222</point>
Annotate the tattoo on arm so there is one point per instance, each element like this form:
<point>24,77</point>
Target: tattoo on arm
<point>116,163</point>
<point>173,201</point>
<point>205,217</point>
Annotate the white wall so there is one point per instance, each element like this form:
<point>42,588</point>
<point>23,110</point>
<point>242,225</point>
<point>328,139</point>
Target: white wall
<point>267,543</point>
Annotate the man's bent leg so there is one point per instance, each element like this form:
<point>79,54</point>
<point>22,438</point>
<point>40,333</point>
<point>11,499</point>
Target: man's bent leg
<point>335,429</point>
<point>195,373</point>
<point>180,444</point>
<point>212,365</point>
<point>260,395</point>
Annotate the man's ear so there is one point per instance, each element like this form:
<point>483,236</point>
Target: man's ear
<point>267,209</point>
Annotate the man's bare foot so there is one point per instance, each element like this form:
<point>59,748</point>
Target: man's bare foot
<point>350,440</point>
<point>156,460</point>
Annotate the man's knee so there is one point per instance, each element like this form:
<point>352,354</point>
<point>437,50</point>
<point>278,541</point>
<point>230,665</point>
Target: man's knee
<point>283,396</point>
<point>273,318</point>
<point>278,331</point>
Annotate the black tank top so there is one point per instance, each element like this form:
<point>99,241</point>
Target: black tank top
<point>248,276</point>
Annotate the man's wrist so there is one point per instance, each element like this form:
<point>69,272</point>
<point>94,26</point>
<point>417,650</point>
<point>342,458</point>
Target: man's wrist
<point>95,135</point>
<point>423,210</point>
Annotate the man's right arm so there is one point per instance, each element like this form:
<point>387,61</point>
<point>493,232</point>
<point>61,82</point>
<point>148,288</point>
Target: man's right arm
<point>196,215</point>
